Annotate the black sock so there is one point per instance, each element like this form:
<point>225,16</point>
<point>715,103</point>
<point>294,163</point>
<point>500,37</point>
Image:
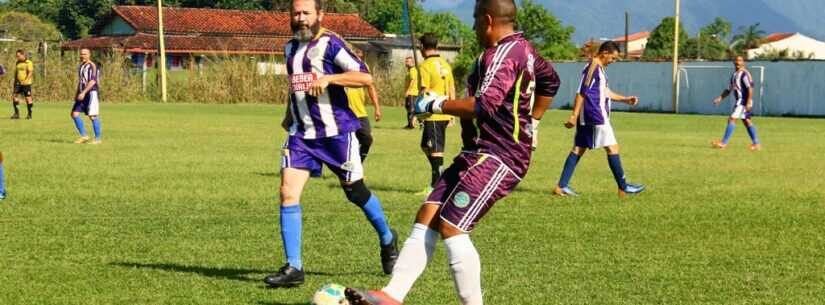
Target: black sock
<point>16,109</point>
<point>435,164</point>
<point>29,108</point>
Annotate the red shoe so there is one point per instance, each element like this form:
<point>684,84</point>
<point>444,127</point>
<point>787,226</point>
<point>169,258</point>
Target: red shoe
<point>360,297</point>
<point>718,144</point>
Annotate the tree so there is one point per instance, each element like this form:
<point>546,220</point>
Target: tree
<point>549,36</point>
<point>710,42</point>
<point>749,37</point>
<point>27,27</point>
<point>660,45</point>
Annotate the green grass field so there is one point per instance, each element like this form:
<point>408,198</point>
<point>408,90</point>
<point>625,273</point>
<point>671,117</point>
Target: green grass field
<point>179,206</point>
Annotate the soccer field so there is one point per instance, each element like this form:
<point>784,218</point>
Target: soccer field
<point>179,206</point>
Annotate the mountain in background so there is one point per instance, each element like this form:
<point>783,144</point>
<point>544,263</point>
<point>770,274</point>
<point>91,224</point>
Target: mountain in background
<point>605,18</point>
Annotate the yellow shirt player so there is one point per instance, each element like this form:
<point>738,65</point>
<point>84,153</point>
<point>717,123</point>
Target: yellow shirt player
<point>357,97</point>
<point>23,79</point>
<point>412,91</point>
<point>437,77</point>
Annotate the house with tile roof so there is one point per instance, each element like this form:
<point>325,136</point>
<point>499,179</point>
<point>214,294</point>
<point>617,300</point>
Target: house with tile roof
<point>194,33</point>
<point>793,42</point>
<point>636,44</point>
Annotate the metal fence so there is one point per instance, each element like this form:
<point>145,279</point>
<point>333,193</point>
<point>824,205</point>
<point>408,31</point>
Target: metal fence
<point>781,88</point>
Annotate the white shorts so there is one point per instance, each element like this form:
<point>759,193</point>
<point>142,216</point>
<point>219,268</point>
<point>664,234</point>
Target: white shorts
<point>595,136</point>
<point>740,113</point>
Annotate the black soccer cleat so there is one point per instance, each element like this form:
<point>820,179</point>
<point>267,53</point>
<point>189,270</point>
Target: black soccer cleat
<point>287,276</point>
<point>389,254</point>
<point>15,116</point>
<point>29,117</point>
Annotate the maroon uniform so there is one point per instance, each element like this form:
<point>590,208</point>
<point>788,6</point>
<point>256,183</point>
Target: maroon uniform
<point>497,145</point>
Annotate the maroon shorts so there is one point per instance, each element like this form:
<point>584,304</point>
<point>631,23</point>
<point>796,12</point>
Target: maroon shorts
<point>468,189</point>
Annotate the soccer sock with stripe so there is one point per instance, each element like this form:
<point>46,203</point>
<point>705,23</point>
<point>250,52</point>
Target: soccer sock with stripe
<point>465,265</point>
<point>435,165</point>
<point>615,163</point>
<point>96,128</point>
<point>752,133</point>
<point>78,123</point>
<point>29,108</point>
<point>291,234</point>
<point>728,132</point>
<point>375,214</point>
<point>569,168</point>
<point>415,255</point>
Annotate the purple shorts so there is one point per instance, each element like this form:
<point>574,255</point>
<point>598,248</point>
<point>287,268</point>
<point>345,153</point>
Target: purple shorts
<point>469,187</point>
<point>340,154</point>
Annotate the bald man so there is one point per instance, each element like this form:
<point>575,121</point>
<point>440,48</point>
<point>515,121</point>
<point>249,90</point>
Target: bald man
<point>498,115</point>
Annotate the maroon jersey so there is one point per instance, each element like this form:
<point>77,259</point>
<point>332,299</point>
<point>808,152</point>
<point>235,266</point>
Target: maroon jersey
<point>504,81</point>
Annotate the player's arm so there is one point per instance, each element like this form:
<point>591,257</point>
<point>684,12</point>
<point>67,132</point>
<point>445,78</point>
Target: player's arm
<point>748,84</point>
<point>724,95</point>
<point>547,86</point>
<point>578,103</point>
<point>630,100</point>
<point>355,72</point>
<point>29,72</point>
<point>287,121</point>
<point>374,98</point>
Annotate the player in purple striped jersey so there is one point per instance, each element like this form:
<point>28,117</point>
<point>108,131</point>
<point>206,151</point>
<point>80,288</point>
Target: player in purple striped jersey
<point>591,117</point>
<point>499,147</point>
<point>2,179</point>
<point>87,100</point>
<point>322,129</point>
<point>741,85</point>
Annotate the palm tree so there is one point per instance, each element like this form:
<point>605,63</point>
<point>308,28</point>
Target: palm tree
<point>749,37</point>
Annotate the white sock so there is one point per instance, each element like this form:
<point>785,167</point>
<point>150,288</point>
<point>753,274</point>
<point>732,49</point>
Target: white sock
<point>413,259</point>
<point>465,265</point>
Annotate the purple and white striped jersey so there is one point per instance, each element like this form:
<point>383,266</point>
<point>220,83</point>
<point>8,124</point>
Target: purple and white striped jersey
<point>740,83</point>
<point>86,73</point>
<point>504,81</point>
<point>327,115</point>
<point>596,108</point>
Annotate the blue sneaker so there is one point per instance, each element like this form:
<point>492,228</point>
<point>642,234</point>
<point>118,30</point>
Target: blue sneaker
<point>564,191</point>
<point>632,189</point>
<point>2,196</point>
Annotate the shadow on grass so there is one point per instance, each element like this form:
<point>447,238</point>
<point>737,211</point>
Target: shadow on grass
<point>270,175</point>
<point>334,184</point>
<point>235,274</point>
<point>279,303</point>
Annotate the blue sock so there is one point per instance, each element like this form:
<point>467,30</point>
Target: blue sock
<point>291,235</point>
<point>618,172</point>
<point>96,128</point>
<point>2,180</point>
<point>375,214</point>
<point>78,123</point>
<point>728,132</point>
<point>569,168</point>
<point>752,133</point>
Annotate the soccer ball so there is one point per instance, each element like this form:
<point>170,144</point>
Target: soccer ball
<point>330,294</point>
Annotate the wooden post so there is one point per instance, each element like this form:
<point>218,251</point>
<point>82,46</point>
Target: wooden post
<point>676,61</point>
<point>162,51</point>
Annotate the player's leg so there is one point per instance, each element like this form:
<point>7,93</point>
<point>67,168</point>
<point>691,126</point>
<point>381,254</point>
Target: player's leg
<point>756,144</point>
<point>94,115</point>
<point>615,163</point>
<point>15,104</point>
<point>29,102</point>
<point>78,122</point>
<point>731,126</point>
<point>408,105</point>
<point>364,135</point>
<point>563,186</point>
<point>2,179</point>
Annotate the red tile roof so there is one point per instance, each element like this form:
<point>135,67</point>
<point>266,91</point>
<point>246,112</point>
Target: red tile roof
<point>237,22</point>
<point>632,37</point>
<point>776,37</point>
<point>143,42</point>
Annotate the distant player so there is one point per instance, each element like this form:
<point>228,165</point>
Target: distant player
<point>741,85</point>
<point>437,78</point>
<point>412,91</point>
<point>357,97</point>
<point>322,132</point>
<point>2,179</point>
<point>591,117</point>
<point>500,87</point>
<point>87,100</point>
<point>23,80</point>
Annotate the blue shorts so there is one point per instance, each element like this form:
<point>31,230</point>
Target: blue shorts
<point>90,105</point>
<point>595,136</point>
<point>339,153</point>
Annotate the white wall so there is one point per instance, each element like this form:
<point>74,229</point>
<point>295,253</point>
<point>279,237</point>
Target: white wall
<point>796,42</point>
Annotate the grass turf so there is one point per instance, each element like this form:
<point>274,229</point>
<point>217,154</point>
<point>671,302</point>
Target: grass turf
<point>179,206</point>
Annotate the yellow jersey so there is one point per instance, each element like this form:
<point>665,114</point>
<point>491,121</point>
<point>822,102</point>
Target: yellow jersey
<point>437,76</point>
<point>357,97</point>
<point>25,72</point>
<point>412,79</point>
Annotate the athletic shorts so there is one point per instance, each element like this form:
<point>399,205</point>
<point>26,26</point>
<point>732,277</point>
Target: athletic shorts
<point>366,128</point>
<point>90,105</point>
<point>470,187</point>
<point>25,90</point>
<point>434,136</point>
<point>740,113</point>
<point>595,136</point>
<point>338,153</point>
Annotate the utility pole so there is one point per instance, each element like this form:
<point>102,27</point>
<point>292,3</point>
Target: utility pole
<point>412,41</point>
<point>626,34</point>
<point>676,61</point>
<point>162,52</point>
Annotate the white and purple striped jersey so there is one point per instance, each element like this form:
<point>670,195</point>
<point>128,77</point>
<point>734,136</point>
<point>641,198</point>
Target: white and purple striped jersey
<point>740,83</point>
<point>596,108</point>
<point>86,73</point>
<point>329,114</point>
